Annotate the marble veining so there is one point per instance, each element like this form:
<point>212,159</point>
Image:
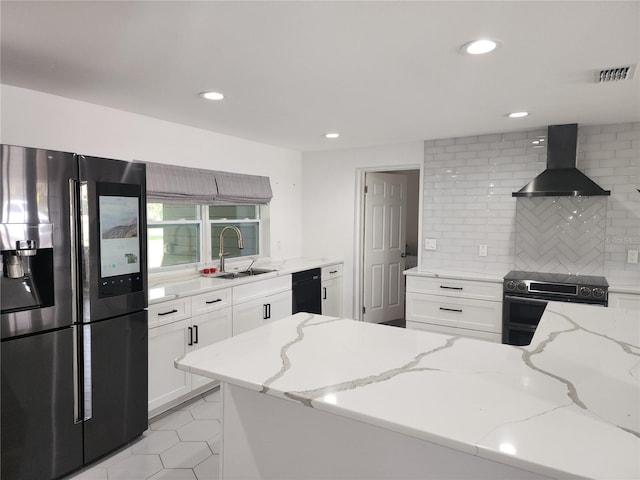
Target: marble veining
<point>286,363</point>
<point>306,397</point>
<point>564,406</point>
<point>571,389</point>
<point>527,358</point>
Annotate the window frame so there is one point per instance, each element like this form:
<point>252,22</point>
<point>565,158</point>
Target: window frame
<point>204,223</point>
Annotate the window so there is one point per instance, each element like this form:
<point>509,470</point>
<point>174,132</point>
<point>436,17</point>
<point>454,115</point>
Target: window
<point>246,218</point>
<point>173,234</point>
<point>187,234</point>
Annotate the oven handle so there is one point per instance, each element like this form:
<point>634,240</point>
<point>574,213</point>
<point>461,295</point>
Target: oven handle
<point>531,301</point>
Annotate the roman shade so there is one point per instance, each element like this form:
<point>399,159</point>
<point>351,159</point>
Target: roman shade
<point>176,184</point>
<point>238,188</point>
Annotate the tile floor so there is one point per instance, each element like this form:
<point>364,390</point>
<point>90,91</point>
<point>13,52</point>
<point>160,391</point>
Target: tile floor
<point>181,444</point>
<point>400,322</point>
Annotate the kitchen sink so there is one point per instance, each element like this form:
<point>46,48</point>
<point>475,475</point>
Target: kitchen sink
<point>246,273</point>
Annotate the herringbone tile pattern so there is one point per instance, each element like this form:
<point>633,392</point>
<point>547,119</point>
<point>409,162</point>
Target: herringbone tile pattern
<point>561,234</point>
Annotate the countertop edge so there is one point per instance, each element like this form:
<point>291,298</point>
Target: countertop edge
<point>454,274</point>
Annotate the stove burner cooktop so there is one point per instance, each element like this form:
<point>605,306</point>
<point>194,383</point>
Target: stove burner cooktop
<point>564,278</point>
<point>557,286</point>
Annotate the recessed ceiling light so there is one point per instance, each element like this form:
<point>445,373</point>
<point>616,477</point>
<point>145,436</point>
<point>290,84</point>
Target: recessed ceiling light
<point>331,135</point>
<point>518,114</point>
<point>212,95</point>
<point>478,47</point>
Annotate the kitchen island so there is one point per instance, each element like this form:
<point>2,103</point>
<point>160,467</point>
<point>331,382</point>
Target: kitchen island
<point>321,397</point>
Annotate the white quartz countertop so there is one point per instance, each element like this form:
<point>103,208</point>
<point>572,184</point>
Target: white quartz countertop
<point>617,284</point>
<point>164,289</point>
<point>566,406</point>
<point>454,274</point>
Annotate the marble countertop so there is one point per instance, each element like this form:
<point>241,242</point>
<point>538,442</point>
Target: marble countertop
<point>565,406</point>
<point>163,289</point>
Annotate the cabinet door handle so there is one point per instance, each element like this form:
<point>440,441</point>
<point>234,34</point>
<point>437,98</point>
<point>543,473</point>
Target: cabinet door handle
<point>451,309</point>
<point>450,288</point>
<point>213,301</point>
<point>195,329</point>
<point>324,293</point>
<point>190,336</point>
<point>333,271</point>
<point>266,311</point>
<point>161,314</point>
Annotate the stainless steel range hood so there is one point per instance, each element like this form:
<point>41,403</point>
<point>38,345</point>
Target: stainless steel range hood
<point>561,178</point>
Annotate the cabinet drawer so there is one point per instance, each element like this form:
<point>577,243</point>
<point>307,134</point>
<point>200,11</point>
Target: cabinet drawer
<point>210,301</point>
<point>261,288</point>
<point>455,288</point>
<point>331,271</point>
<point>455,312</point>
<point>168,312</point>
<point>458,332</point>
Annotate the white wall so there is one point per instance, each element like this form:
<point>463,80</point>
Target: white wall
<point>36,119</point>
<point>330,202</point>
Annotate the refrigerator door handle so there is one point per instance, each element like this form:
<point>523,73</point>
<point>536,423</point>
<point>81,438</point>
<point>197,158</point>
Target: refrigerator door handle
<point>73,226</point>
<point>77,416</point>
<point>87,379</point>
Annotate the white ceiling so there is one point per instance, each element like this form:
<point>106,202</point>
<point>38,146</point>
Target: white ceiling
<point>377,72</point>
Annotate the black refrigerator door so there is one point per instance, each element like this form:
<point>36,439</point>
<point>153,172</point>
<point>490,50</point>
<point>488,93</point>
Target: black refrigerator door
<point>40,439</point>
<point>112,200</point>
<point>117,374</point>
<point>35,192</point>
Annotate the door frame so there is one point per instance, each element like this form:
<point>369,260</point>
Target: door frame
<point>358,248</point>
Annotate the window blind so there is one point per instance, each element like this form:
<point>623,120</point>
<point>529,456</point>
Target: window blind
<point>177,184</point>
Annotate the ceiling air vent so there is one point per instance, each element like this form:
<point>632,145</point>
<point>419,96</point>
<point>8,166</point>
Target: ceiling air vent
<point>615,74</point>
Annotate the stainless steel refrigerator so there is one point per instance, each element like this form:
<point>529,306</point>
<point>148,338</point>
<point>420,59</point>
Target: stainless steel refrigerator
<point>73,316</point>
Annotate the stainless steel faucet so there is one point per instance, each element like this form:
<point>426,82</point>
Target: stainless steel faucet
<point>222,253</point>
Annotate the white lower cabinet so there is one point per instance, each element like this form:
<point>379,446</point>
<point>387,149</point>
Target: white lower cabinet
<point>255,313</point>
<point>166,383</point>
<point>331,290</point>
<point>332,297</point>
<point>209,328</point>
<point>466,308</point>
<point>171,340</point>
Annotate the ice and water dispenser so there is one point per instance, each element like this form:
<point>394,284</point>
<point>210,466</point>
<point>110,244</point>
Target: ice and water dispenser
<point>27,266</point>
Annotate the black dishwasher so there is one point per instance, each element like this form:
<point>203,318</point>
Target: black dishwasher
<point>305,287</point>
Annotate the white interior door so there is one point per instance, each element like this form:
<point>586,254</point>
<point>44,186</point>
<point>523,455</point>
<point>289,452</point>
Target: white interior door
<point>384,246</point>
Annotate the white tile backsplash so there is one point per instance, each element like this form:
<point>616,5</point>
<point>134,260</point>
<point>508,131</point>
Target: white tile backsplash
<point>561,234</point>
<point>467,198</point>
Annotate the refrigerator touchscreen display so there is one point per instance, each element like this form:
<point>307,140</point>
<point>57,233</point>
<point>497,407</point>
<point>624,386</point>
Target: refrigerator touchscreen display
<point>119,239</point>
<point>119,244</point>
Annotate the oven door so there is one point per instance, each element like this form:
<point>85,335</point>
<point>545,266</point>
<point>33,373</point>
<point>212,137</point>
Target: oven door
<point>520,317</point>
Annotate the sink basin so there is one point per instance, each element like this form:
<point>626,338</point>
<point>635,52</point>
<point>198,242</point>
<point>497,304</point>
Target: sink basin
<point>246,273</point>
